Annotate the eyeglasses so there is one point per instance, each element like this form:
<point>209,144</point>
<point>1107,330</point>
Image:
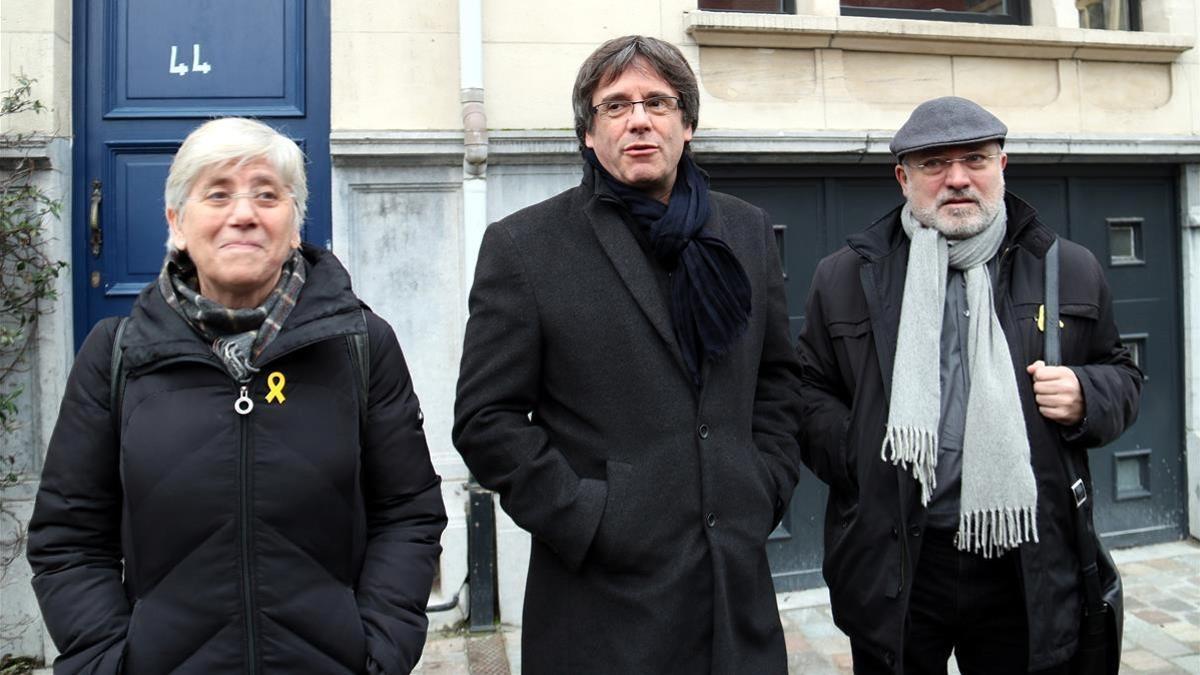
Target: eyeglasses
<point>936,166</point>
<point>219,200</point>
<point>655,105</point>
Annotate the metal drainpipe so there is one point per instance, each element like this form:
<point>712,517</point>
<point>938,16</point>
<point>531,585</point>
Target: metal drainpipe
<point>475,137</point>
<point>481,517</point>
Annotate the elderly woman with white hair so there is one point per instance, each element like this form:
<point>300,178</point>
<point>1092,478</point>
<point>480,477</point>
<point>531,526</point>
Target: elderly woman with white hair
<point>238,481</point>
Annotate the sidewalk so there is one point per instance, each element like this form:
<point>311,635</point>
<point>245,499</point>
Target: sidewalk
<point>1162,625</point>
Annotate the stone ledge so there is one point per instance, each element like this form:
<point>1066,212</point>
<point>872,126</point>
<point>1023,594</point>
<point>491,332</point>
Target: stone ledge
<point>953,38</point>
<point>35,148</point>
<point>553,146</point>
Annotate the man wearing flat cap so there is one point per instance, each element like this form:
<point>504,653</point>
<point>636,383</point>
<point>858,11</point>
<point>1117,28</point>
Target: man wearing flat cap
<point>929,411</point>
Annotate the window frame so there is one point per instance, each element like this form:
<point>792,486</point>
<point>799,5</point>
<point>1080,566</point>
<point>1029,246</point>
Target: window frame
<point>1135,17</point>
<point>785,7</point>
<point>1019,16</point>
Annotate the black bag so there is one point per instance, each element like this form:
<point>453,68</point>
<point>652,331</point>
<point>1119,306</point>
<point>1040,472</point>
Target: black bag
<point>1102,623</point>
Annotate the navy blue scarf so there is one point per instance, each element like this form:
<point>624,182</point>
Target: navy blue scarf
<point>710,292</point>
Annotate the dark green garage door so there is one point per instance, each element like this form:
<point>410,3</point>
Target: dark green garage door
<point>1127,215</point>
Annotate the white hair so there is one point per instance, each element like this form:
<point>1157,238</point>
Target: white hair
<point>236,140</point>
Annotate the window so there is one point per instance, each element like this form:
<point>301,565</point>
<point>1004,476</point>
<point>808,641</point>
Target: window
<point>1110,14</point>
<point>1125,242</point>
<point>1136,344</point>
<point>762,6</point>
<point>978,11</point>
<point>1131,474</point>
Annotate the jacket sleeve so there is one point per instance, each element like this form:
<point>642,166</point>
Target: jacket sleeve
<point>75,532</point>
<point>405,514</point>
<point>824,402</point>
<point>777,413</point>
<point>498,388</point>
<point>1111,382</point>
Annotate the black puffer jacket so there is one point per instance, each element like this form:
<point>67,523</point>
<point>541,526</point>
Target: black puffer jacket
<point>874,519</point>
<point>287,540</point>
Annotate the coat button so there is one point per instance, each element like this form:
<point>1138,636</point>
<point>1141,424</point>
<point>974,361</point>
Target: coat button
<point>895,533</point>
<point>711,519</point>
<point>914,531</point>
<point>703,431</point>
<point>889,658</point>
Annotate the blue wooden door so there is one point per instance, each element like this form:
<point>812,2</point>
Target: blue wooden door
<point>147,72</point>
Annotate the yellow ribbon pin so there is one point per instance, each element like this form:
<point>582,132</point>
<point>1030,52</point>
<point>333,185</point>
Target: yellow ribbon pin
<point>1041,319</point>
<point>276,381</point>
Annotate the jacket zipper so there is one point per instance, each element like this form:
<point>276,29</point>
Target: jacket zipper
<point>243,405</point>
<point>246,487</point>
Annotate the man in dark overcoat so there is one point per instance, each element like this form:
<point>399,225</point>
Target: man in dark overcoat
<point>629,389</point>
<point>941,432</point>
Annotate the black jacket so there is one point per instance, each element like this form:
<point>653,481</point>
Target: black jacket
<point>649,501</point>
<point>288,540</point>
<point>874,518</point>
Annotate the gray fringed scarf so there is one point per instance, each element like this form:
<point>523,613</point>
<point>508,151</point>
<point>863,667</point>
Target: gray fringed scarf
<point>998,507</point>
<point>237,336</point>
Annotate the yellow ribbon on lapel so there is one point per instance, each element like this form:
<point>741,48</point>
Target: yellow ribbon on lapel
<point>275,381</point>
<point>1041,320</point>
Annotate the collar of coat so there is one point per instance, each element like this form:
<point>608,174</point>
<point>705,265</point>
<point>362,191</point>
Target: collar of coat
<point>327,307</point>
<point>885,236</point>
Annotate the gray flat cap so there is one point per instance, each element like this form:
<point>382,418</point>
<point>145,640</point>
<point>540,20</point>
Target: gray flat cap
<point>948,120</point>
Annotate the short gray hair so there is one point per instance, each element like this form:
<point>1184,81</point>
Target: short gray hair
<point>619,54</point>
<point>238,140</point>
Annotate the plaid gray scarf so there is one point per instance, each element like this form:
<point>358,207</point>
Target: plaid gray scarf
<point>237,336</point>
<point>998,506</point>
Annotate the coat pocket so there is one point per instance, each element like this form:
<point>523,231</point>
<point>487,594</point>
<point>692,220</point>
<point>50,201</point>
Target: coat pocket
<point>851,340</point>
<point>617,544</point>
<point>1077,322</point>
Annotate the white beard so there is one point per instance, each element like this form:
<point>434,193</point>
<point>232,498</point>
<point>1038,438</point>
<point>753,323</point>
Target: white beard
<point>964,221</point>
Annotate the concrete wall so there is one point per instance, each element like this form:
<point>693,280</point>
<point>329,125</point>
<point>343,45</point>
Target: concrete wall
<point>35,40</point>
<point>1190,259</point>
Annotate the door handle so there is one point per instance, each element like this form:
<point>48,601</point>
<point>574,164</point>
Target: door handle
<point>97,236</point>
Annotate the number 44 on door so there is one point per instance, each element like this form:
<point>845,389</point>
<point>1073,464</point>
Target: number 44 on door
<point>181,69</point>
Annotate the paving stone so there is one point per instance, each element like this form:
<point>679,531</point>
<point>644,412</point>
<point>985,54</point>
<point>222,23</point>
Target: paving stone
<point>1135,569</point>
<point>1154,616</point>
<point>804,617</point>
<point>1142,661</point>
<point>795,642</point>
<point>1188,664</point>
<point>1183,631</point>
<point>1158,642</point>
<point>1170,564</point>
<point>811,662</point>
<point>831,645</point>
<point>821,629</point>
<point>1175,605</point>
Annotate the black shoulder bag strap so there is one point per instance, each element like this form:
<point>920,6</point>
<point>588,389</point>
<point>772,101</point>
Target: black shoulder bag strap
<point>116,377</point>
<point>1085,535</point>
<point>360,354</point>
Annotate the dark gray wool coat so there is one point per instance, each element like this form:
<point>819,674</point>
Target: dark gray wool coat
<point>649,501</point>
<point>292,539</point>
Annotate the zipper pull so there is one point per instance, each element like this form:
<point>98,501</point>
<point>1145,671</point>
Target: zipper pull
<point>243,405</point>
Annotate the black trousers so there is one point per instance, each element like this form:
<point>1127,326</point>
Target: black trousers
<point>966,604</point>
